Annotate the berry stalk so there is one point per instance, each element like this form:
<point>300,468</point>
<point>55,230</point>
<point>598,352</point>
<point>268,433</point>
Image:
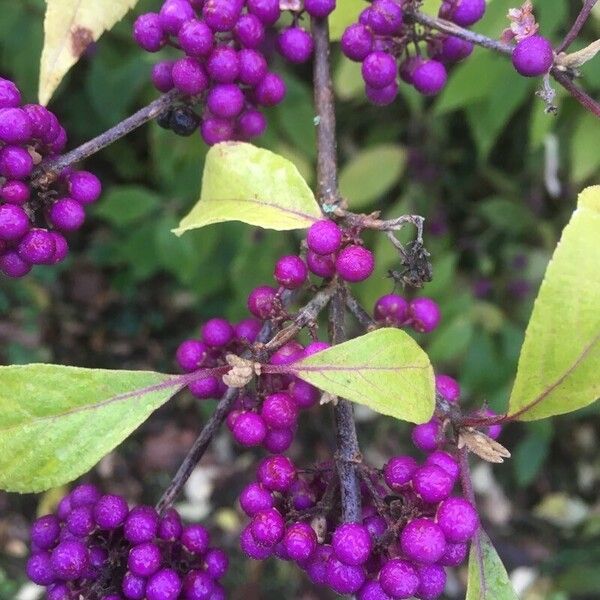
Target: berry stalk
<point>580,21</point>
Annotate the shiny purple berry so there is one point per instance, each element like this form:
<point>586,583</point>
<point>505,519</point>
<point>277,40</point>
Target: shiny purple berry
<point>458,519</point>
<point>141,525</point>
<point>84,187</point>
<point>249,429</point>
<point>45,532</point>
<point>69,559</point>
<point>15,162</point>
<point>300,541</point>
<point>424,314</point>
<point>324,237</point>
<point>67,214</point>
<point>357,42</point>
<point>191,354</point>
<point>533,56</point>
<point>432,483</point>
<point>379,69</point>
<point>148,32</point>
<point>173,14</point>
<point>261,301</point>
<point>266,10</point>
<point>270,90</point>
<point>251,548</point>
<point>398,472</point>
<point>277,473</point>
<point>110,512</point>
<point>344,579</point>
<point>189,76</point>
<point>398,578</point>
<point>249,31</point>
<point>385,17</point>
<point>216,562</point>
<point>352,543</point>
<point>14,222</point>
<point>268,527</point>
<point>40,569</point>
<point>391,309</point>
<point>319,8</point>
<point>164,585</point>
<point>37,246</point>
<point>144,559</point>
<point>423,541</point>
<point>429,77</point>
<point>354,263</point>
<point>295,44</point>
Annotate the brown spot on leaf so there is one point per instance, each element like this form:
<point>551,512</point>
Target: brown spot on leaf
<point>81,38</point>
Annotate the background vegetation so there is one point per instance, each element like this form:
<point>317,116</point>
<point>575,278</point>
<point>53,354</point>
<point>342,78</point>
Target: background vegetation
<point>495,178</point>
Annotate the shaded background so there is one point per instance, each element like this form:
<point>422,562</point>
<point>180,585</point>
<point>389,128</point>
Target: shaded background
<point>496,179</point>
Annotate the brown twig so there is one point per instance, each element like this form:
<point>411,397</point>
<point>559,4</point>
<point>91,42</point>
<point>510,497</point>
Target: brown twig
<point>580,21</point>
<point>582,97</point>
<point>361,315</point>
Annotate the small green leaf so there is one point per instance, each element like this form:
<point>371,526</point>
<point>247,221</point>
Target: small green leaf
<point>126,204</point>
<point>496,584</point>
<point>57,422</point>
<point>385,370</point>
<point>346,12</point>
<point>372,173</point>
<point>585,158</point>
<point>244,183</point>
<point>560,358</point>
<point>531,452</point>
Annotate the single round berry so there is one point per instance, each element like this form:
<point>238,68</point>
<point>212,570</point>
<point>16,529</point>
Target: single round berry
<point>352,543</point>
<point>422,541</point>
<point>382,96</point>
<point>300,541</point>
<point>321,265</point>
<point>277,473</point>
<point>432,483</point>
<point>270,90</point>
<point>391,309</point>
<point>268,527</point>
<point>15,126</point>
<point>376,525</point>
<point>221,15</point>
<point>424,314</point>
<point>246,331</point>
<point>164,585</point>
<point>10,96</point>
<point>385,17</point>
<point>84,187</point>
<point>217,332</point>
<point>14,192</point>
<point>324,237</point>
<point>110,512</point>
<point>464,12</point>
<point>45,532</point>
<point>319,8</point>
<point>196,38</point>
<point>429,77</point>
<point>533,56</point>
<point>12,265</point>
<point>251,548</point>
<point>67,215</point>
<point>295,44</point>
<point>398,471</point>
<point>249,429</point>
<point>216,562</point>
<point>173,14</point>
<point>141,525</point>
<point>398,578</point>
<point>432,581</point>
<point>316,568</point>
<point>148,32</point>
<point>304,394</point>
<point>458,519</point>
<point>144,559</point>
<point>372,590</point>
<point>162,76</point>
<point>249,31</point>
<point>251,124</point>
<point>379,69</point>
<point>196,539</point>
<point>266,10</point>
<point>225,100</point>
<point>291,272</point>
<point>354,263</point>
<point>252,66</point>
<point>37,246</point>
<point>454,49</point>
<point>223,65</point>
<point>80,521</point>
<point>189,76</point>
<point>40,569</point>
<point>426,436</point>
<point>198,585</point>
<point>261,301</point>
<point>15,162</point>
<point>279,411</point>
<point>84,495</point>
<point>447,387</point>
<point>278,440</point>
<point>444,461</point>
<point>357,42</point>
<point>69,559</point>
<point>170,526</point>
<point>204,387</point>
<point>191,354</point>
<point>454,555</point>
<point>214,130</point>
<point>133,587</point>
<point>342,578</point>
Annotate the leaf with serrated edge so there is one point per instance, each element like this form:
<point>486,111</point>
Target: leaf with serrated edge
<point>244,183</point>
<point>57,422</point>
<point>385,370</point>
<point>70,27</point>
<point>559,365</point>
<point>496,585</point>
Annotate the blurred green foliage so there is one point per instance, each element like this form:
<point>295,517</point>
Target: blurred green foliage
<point>480,162</point>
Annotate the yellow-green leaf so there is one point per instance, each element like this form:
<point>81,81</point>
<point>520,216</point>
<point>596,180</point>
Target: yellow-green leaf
<point>57,422</point>
<point>346,12</point>
<point>496,584</point>
<point>385,370</point>
<point>560,358</point>
<point>371,173</point>
<point>244,183</point>
<point>70,27</point>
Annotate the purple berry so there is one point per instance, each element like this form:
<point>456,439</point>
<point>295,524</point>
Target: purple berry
<point>382,96</point>
<point>204,387</point>
<point>354,263</point>
<point>391,309</point>
<point>423,541</point>
<point>447,387</point>
<point>344,579</point>
<point>357,42</point>
<point>385,17</point>
<point>463,12</point>
<point>277,473</point>
<point>173,14</point>
<point>61,248</point>
<point>84,187</point>
<point>324,237</point>
<point>141,525</point>
<point>148,33</point>
<point>426,436</point>
<point>144,559</point>
<point>196,539</point>
<point>217,333</point>
<point>249,31</point>
<point>432,582</point>
<point>379,69</point>
<point>191,354</point>
<point>60,591</point>
<point>196,38</point>
<point>398,471</point>
<point>247,330</point>
<point>270,90</point>
<point>223,65</point>
<point>278,440</point>
<point>37,247</point>
<point>398,578</point>
<point>162,76</point>
<point>252,66</point>
<point>189,76</point>
<point>279,411</point>
<point>14,222</point>
<point>170,526</point>
<point>221,15</point>
<point>454,555</point>
<point>251,548</point>
<point>316,568</point>
<point>15,162</point>
<point>10,96</point>
<point>40,569</point>
<point>84,495</point>
<point>300,542</point>
<point>321,265</point>
<point>533,56</point>
<point>217,563</point>
<point>14,192</point>
<point>249,429</point>
<point>15,126</point>
<point>69,559</point>
<point>80,521</point>
<point>304,394</point>
<point>225,100</point>
<point>261,301</point>
<point>164,585</point>
<point>319,8</point>
<point>432,483</point>
<point>45,532</point>
<point>424,314</point>
<point>251,124</point>
<point>133,587</point>
<point>291,272</point>
<point>268,527</point>
<point>352,543</point>
<point>372,590</point>
<point>198,585</point>
<point>12,265</point>
<point>215,130</point>
<point>266,10</point>
<point>66,214</point>
<point>455,49</point>
<point>376,526</point>
<point>110,512</point>
<point>295,44</point>
<point>429,77</point>
<point>458,520</point>
<point>444,461</point>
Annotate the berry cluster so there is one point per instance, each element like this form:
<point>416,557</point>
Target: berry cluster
<point>412,525</point>
<point>422,314</point>
<point>96,547</point>
<point>381,38</point>
<point>223,68</point>
<point>34,218</point>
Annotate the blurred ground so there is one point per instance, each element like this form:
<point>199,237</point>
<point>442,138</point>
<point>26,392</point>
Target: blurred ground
<point>495,178</point>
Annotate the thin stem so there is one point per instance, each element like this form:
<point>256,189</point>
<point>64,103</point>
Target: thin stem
<point>580,21</point>
<point>361,315</point>
<point>582,97</point>
<point>120,130</point>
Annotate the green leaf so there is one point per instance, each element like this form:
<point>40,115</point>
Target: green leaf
<point>126,204</point>
<point>244,183</point>
<point>585,158</point>
<point>560,359</point>
<point>385,370</point>
<point>531,452</point>
<point>346,12</point>
<point>57,422</point>
<point>372,173</point>
<point>496,584</point>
